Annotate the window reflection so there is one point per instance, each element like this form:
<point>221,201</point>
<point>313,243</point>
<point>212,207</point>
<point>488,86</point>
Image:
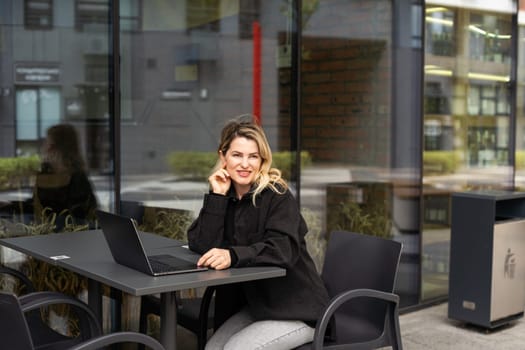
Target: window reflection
<point>38,14</point>
<point>466,122</point>
<point>62,197</point>
<point>91,15</point>
<point>520,103</point>
<point>62,187</point>
<point>489,38</point>
<point>187,66</point>
<point>347,128</point>
<point>55,72</point>
<point>439,29</point>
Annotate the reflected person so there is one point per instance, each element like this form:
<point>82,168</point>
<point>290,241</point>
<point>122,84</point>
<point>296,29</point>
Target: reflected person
<point>62,185</point>
<point>250,218</point>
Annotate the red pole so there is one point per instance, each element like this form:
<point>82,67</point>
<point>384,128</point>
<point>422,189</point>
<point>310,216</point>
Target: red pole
<point>256,30</point>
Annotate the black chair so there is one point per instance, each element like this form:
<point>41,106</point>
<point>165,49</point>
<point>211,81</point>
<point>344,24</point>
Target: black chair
<point>359,273</point>
<point>192,314</point>
<point>43,335</point>
<point>17,334</point>
<point>26,286</point>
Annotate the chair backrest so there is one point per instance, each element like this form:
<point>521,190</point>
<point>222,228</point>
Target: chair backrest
<point>14,331</point>
<point>356,261</point>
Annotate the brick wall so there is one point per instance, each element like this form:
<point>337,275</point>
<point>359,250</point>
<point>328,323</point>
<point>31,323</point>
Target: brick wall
<point>345,101</point>
<point>345,77</point>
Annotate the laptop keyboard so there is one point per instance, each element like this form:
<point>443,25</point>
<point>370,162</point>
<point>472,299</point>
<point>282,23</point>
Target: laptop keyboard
<point>168,263</point>
<point>158,266</point>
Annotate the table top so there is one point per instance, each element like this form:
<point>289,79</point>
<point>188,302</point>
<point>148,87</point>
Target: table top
<point>87,253</point>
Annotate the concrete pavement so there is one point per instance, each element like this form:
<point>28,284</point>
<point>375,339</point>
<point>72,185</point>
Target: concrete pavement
<point>431,329</point>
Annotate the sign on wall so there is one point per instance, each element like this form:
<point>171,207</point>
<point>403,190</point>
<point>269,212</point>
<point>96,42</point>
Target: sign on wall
<point>37,73</point>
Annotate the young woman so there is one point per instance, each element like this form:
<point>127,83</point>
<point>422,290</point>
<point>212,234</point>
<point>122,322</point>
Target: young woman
<point>250,218</point>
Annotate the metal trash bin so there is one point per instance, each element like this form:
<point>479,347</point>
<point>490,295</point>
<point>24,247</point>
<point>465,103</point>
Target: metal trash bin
<point>508,269</point>
<point>487,258</point>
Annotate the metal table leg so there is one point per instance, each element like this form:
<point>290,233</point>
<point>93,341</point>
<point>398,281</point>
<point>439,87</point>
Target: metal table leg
<point>168,320</point>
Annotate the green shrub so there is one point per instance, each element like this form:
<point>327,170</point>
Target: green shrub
<point>283,162</point>
<point>188,164</point>
<point>16,172</point>
<point>441,162</point>
<point>197,165</point>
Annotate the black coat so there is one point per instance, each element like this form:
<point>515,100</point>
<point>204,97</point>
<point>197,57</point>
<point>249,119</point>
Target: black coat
<point>269,233</point>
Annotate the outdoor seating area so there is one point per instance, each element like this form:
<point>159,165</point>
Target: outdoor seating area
<point>246,174</point>
<point>363,309</point>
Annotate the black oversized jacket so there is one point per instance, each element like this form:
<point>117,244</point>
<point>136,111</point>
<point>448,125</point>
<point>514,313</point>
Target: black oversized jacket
<point>269,233</point>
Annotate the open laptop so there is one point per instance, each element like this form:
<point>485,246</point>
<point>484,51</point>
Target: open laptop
<point>127,249</point>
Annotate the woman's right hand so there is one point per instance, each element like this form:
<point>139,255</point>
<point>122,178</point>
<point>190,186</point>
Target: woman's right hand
<point>216,258</point>
<point>220,181</point>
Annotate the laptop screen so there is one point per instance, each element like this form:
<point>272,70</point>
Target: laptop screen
<point>127,249</point>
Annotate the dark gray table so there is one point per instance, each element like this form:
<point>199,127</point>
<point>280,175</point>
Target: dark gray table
<point>87,254</point>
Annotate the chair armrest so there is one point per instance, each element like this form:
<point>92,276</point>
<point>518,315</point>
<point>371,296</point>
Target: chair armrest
<point>34,301</point>
<point>19,275</point>
<point>119,337</point>
<point>338,300</point>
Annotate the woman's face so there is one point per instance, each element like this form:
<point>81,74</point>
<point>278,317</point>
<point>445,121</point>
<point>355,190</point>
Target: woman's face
<point>48,150</point>
<point>243,162</point>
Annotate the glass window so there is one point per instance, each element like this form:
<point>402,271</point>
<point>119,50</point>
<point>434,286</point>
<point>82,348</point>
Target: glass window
<point>56,165</point>
<point>467,121</point>
<point>38,14</point>
<point>350,178</point>
<point>130,15</point>
<point>489,37</point>
<point>439,30</point>
<point>204,15</point>
<point>37,110</point>
<point>93,14</point>
<point>520,103</point>
<point>54,121</point>
<point>188,70</point>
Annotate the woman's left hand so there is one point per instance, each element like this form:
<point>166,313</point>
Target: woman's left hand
<point>216,258</point>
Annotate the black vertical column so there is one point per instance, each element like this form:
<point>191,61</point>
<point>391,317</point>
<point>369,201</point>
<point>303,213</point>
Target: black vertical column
<point>114,97</point>
<point>295,98</point>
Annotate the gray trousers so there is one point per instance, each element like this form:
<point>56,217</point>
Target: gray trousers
<point>242,332</point>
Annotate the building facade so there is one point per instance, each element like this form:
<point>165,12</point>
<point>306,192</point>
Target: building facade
<point>377,111</point>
